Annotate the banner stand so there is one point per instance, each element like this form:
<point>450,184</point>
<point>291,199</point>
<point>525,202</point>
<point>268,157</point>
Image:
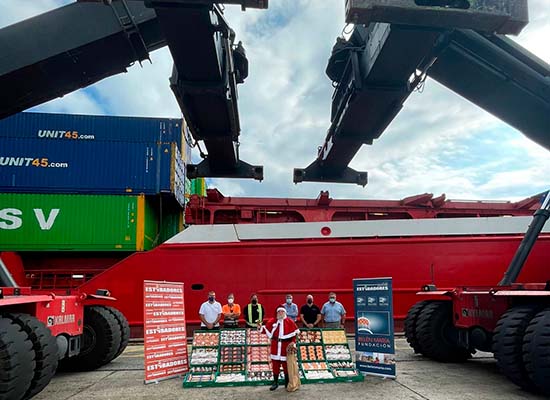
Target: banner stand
<point>164,331</point>
<point>374,329</point>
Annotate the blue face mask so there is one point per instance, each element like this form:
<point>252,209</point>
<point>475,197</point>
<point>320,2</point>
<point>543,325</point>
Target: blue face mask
<point>332,300</point>
<point>288,301</point>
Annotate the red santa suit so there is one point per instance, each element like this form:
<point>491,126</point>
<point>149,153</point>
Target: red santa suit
<point>282,333</point>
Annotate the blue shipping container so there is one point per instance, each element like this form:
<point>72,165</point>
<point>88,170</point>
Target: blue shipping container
<point>94,128</point>
<point>46,166</point>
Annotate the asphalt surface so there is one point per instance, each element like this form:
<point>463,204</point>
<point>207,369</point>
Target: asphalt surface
<point>417,378</point>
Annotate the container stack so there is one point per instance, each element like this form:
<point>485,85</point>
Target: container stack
<point>81,183</point>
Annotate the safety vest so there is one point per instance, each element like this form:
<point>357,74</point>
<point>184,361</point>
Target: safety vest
<point>249,320</point>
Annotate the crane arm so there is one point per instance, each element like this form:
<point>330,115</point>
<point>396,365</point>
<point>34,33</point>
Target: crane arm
<point>72,47</point>
<point>397,43</point>
<point>75,46</point>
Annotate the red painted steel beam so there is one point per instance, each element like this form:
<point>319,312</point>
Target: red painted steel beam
<point>216,208</point>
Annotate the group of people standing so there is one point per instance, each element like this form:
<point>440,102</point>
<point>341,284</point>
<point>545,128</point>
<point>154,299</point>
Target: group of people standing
<point>331,315</point>
<point>282,330</point>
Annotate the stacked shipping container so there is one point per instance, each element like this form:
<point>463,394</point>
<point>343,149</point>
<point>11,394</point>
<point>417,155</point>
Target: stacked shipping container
<point>57,153</point>
<point>100,184</point>
<point>67,222</point>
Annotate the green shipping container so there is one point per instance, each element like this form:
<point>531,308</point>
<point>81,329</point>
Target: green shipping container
<point>31,222</point>
<point>198,186</point>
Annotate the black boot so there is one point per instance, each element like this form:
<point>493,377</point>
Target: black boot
<point>286,381</point>
<point>275,383</point>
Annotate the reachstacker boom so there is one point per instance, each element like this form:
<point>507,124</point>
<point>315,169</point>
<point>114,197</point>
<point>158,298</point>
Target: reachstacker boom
<point>396,44</point>
<point>82,43</point>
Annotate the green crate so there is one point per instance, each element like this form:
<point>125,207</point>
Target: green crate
<point>334,329</point>
<point>356,378</point>
<point>338,344</point>
<point>310,330</point>
<point>244,352</point>
<point>256,344</point>
<point>258,383</point>
<point>231,363</point>
<point>204,365</point>
<point>232,330</point>
<point>323,380</point>
<point>187,384</point>
<point>225,384</point>
<point>205,331</point>
<point>220,372</point>
<point>332,362</point>
<point>299,356</point>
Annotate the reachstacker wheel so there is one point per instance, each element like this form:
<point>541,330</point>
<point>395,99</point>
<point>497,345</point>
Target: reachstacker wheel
<point>536,351</point>
<point>508,344</point>
<point>17,361</point>
<point>124,330</point>
<point>101,340</point>
<point>437,337</point>
<point>410,325</point>
<point>45,348</point>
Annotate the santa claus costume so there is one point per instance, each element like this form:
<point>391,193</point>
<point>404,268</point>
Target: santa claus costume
<point>282,331</point>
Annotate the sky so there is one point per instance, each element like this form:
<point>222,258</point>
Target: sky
<point>439,143</point>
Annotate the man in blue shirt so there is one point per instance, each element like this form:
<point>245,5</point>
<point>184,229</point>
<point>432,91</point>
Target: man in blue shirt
<point>291,308</point>
<point>333,312</point>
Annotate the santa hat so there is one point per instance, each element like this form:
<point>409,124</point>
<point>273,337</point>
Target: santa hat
<point>281,309</point>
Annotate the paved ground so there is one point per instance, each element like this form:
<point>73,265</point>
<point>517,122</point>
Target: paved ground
<point>417,378</point>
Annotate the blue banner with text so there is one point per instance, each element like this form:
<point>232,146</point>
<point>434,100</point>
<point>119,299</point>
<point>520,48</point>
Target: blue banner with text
<point>374,331</point>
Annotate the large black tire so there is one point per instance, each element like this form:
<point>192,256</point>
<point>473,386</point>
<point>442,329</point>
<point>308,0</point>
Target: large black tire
<point>410,325</point>
<point>124,330</point>
<point>45,348</point>
<point>536,351</point>
<point>16,361</point>
<point>101,339</point>
<point>508,344</point>
<point>436,334</point>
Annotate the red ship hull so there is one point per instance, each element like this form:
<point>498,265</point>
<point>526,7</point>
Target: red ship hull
<point>273,267</point>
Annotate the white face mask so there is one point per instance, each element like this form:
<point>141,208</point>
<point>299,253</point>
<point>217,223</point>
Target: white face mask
<point>230,301</point>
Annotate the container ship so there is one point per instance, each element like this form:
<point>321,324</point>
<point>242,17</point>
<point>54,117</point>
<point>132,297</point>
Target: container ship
<point>272,259</point>
<point>112,220</point>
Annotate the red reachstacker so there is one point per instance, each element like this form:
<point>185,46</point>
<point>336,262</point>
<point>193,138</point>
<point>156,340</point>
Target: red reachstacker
<point>511,319</point>
<point>41,332</point>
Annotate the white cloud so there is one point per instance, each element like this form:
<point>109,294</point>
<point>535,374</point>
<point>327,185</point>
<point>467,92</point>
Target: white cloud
<point>438,143</point>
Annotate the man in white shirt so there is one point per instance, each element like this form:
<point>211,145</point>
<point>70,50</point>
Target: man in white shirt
<point>210,312</point>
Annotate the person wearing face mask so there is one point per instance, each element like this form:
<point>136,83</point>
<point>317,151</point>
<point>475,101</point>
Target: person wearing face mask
<point>310,313</point>
<point>291,308</point>
<point>231,312</point>
<point>333,312</point>
<point>254,312</point>
<point>210,312</point>
<point>282,331</point>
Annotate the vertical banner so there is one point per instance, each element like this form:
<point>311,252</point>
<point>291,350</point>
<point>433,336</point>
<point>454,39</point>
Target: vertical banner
<point>374,334</point>
<point>164,333</point>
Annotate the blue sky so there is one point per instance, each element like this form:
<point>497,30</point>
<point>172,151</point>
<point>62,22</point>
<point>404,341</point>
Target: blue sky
<point>440,143</point>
